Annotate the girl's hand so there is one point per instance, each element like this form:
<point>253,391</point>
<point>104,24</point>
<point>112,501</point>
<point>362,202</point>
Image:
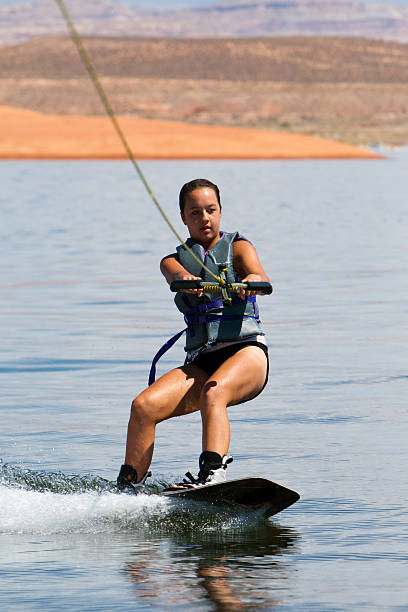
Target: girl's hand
<point>198,292</point>
<point>250,278</point>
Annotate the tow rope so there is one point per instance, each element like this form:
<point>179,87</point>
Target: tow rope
<point>86,60</point>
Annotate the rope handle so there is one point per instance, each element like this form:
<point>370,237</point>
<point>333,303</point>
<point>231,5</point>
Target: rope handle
<point>259,287</point>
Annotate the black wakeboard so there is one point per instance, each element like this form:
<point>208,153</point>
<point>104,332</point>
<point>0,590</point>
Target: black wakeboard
<point>258,494</point>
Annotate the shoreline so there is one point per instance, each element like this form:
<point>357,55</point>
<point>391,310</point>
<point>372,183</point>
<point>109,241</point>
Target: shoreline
<point>79,157</point>
<point>33,135</point>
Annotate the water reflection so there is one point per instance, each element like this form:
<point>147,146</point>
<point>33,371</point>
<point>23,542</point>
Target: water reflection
<point>235,570</point>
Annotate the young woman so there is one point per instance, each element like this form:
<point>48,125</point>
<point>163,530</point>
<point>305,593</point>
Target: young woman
<point>227,358</point>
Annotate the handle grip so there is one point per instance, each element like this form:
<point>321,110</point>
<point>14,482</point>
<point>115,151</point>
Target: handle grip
<point>182,285</point>
<point>259,287</point>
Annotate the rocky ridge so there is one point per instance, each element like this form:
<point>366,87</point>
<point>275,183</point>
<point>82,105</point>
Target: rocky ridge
<point>22,21</point>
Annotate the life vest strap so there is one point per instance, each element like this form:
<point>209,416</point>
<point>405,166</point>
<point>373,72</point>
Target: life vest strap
<point>211,318</point>
<point>160,353</point>
<point>202,313</point>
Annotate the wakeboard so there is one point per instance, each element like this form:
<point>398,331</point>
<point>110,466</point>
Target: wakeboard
<point>257,494</point>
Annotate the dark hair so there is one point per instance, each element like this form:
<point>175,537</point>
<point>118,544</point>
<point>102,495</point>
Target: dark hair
<point>196,184</point>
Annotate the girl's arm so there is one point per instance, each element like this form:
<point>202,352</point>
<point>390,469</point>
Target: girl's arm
<point>247,264</point>
<point>172,270</point>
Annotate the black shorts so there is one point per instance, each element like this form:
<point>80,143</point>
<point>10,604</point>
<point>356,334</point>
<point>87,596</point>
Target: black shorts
<point>210,362</point>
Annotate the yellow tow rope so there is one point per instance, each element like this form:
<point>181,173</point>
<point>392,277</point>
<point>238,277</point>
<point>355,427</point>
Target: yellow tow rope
<point>86,60</point>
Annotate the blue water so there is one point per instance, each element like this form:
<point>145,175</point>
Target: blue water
<point>83,309</point>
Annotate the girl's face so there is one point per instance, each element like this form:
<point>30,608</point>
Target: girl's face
<point>202,215</point>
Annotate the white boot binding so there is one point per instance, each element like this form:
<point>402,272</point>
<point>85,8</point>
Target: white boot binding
<point>212,471</point>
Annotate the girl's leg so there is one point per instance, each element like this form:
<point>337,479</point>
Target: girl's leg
<point>174,394</point>
<point>238,379</point>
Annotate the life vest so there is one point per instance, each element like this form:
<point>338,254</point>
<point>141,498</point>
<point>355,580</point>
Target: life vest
<point>208,318</point>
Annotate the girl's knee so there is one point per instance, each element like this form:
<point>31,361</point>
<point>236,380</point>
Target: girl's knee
<point>141,409</point>
<point>212,394</point>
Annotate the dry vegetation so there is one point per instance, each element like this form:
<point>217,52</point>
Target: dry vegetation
<point>354,90</point>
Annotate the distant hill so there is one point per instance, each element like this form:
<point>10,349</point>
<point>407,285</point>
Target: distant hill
<point>291,60</point>
<point>22,21</point>
<point>349,89</point>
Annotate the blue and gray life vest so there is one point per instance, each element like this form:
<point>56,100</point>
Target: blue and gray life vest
<point>208,319</point>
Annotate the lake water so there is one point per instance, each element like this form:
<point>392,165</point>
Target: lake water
<point>83,310</point>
